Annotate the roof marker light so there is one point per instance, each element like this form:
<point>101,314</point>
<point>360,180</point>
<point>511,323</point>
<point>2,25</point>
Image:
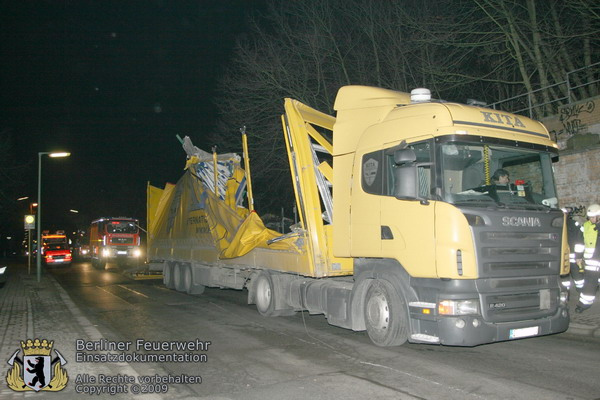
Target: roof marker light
<point>420,95</point>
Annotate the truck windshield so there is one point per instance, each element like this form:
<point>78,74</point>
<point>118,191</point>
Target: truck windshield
<point>57,246</point>
<point>54,240</point>
<point>504,176</point>
<point>121,227</point>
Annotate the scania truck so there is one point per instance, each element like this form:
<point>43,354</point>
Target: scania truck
<point>402,230</point>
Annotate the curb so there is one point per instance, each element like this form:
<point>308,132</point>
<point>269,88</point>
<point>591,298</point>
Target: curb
<point>584,330</point>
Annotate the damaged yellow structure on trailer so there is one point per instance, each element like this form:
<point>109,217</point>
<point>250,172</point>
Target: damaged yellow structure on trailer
<point>402,231</point>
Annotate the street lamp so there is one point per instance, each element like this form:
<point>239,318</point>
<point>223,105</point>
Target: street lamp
<point>39,210</point>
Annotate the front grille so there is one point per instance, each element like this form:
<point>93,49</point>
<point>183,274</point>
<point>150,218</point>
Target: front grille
<point>121,240</point>
<point>511,235</point>
<point>514,253</point>
<point>508,266</point>
<point>518,266</point>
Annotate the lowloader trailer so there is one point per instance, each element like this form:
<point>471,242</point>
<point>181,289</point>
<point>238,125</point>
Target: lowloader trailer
<point>402,231</point>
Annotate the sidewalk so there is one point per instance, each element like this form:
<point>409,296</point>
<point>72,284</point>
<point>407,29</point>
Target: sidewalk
<point>30,310</point>
<point>588,322</point>
<point>43,310</point>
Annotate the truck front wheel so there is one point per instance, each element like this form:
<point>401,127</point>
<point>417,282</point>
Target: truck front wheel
<point>386,317</point>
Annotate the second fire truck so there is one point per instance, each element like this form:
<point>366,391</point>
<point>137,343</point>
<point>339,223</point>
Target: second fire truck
<point>115,240</point>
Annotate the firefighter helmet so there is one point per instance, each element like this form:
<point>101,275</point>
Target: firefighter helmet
<point>593,210</point>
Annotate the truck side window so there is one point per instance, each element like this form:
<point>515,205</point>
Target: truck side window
<point>424,172</point>
<point>372,169</point>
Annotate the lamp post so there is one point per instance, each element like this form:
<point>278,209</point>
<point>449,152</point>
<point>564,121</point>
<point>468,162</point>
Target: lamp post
<point>29,226</point>
<point>39,210</point>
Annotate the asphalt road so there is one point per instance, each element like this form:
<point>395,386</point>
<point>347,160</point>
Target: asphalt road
<point>300,357</point>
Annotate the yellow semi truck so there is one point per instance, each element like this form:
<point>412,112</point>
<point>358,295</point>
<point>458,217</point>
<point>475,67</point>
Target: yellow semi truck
<point>403,231</point>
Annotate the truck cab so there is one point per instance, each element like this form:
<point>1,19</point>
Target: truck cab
<point>475,261</point>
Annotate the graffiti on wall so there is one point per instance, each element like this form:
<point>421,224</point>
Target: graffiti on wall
<point>571,119</point>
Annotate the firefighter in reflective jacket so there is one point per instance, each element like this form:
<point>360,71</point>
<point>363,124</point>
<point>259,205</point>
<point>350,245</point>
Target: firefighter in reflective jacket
<point>591,258</point>
<point>575,237</point>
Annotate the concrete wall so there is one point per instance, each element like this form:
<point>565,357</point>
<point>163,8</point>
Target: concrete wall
<point>576,129</point>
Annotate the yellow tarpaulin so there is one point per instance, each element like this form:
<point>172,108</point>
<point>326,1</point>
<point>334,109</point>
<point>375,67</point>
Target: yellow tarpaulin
<point>157,202</point>
<point>192,212</point>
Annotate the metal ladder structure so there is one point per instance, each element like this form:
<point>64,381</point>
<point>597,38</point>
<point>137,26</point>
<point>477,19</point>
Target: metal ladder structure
<point>312,179</point>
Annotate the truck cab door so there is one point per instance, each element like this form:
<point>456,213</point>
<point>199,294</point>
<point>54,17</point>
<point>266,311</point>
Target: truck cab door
<point>365,206</point>
<point>408,210</point>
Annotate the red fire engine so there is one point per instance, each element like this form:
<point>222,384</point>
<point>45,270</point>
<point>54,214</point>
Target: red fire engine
<point>55,248</point>
<point>115,239</point>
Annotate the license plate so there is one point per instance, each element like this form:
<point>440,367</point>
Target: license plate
<point>524,332</point>
<point>121,252</point>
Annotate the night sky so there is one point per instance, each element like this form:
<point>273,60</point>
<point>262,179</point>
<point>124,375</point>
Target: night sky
<point>112,82</point>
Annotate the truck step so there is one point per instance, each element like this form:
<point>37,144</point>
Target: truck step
<point>421,337</point>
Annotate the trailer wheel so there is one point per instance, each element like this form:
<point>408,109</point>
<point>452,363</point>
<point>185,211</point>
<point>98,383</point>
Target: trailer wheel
<point>265,295</point>
<point>177,271</point>
<point>188,285</point>
<point>168,275</point>
<point>386,316</point>
<point>182,277</point>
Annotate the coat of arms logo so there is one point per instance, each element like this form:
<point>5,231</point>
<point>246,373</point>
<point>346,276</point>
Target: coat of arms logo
<point>37,370</point>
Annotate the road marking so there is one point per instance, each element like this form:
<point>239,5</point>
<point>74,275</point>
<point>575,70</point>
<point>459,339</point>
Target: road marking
<point>111,293</point>
<point>134,291</point>
<point>94,334</point>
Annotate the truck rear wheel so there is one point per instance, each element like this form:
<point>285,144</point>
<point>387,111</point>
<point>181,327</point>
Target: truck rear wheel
<point>386,317</point>
<point>265,294</point>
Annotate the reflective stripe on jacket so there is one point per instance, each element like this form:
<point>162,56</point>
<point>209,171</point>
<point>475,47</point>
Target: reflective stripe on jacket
<point>590,239</point>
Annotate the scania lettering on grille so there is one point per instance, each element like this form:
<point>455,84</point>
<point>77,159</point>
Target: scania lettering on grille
<point>521,221</point>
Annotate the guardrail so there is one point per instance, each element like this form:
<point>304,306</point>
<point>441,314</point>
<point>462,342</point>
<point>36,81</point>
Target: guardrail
<point>578,84</point>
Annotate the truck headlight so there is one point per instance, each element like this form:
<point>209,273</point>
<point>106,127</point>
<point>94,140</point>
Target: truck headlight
<point>137,252</point>
<point>105,252</point>
<point>458,307</point>
<point>2,270</point>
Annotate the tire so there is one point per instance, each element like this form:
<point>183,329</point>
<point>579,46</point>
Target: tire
<point>188,285</point>
<point>177,269</point>
<point>186,279</point>
<point>183,278</point>
<point>264,295</point>
<point>386,316</point>
<point>168,276</point>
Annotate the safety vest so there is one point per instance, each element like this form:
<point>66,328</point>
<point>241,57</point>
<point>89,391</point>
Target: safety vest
<point>590,237</point>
